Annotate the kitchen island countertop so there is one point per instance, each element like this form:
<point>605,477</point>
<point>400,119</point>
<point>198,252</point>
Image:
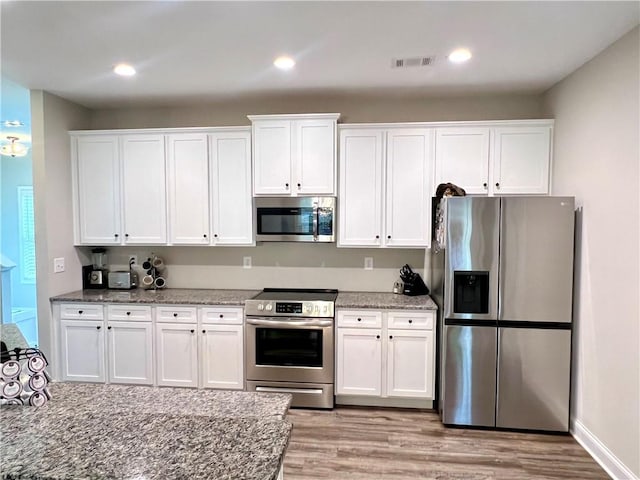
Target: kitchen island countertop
<point>114,431</point>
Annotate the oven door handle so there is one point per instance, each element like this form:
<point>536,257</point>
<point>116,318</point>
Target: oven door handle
<point>293,323</point>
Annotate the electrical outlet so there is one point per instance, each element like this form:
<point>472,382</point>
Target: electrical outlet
<point>133,260</point>
<point>246,262</point>
<point>58,265</point>
<point>368,263</point>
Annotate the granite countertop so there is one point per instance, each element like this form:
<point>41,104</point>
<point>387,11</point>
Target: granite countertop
<point>384,301</point>
<point>116,432</point>
<point>186,296</point>
<point>182,296</point>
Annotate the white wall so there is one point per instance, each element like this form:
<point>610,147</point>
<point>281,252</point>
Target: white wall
<point>352,109</point>
<point>51,118</point>
<point>596,157</point>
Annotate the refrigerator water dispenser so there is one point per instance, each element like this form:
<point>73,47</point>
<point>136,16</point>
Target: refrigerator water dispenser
<point>470,292</point>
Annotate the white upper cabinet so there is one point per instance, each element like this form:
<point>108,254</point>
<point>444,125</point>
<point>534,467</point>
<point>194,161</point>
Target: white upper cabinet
<point>408,196</point>
<point>521,158</point>
<point>294,154</point>
<point>96,170</point>
<point>385,183</point>
<point>171,187</point>
<point>462,158</point>
<point>144,189</point>
<point>509,158</point>
<point>360,203</point>
<point>188,180</point>
<point>230,187</point>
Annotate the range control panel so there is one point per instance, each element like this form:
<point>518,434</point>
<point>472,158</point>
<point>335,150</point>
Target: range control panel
<point>289,309</point>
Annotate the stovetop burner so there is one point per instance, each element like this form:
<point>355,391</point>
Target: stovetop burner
<point>292,302</point>
<point>297,294</point>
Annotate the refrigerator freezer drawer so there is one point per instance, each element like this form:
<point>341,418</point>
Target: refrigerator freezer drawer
<point>533,379</point>
<point>469,390</point>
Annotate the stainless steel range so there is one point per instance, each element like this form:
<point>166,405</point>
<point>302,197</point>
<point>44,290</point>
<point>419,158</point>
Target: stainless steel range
<point>289,344</point>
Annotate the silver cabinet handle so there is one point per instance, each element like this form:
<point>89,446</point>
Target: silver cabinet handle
<point>293,323</point>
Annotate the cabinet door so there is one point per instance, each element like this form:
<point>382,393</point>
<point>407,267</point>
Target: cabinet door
<point>408,200</point>
<point>176,354</point>
<point>144,180</point>
<point>360,205</point>
<point>222,357</point>
<point>462,158</point>
<point>521,160</point>
<point>410,363</point>
<point>97,185</point>
<point>315,157</point>
<point>272,157</point>
<point>129,347</point>
<point>231,204</point>
<point>82,348</point>
<point>359,362</point>
<point>188,181</point>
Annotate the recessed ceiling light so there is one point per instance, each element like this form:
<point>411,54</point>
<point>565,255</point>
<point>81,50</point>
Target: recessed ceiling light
<point>459,55</point>
<point>284,63</point>
<point>124,70</point>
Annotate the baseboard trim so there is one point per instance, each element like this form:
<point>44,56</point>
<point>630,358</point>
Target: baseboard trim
<point>600,453</point>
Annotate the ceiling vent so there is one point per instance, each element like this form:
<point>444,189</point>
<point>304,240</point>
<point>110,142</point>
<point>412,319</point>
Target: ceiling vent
<point>412,62</point>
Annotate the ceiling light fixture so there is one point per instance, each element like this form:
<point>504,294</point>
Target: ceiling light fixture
<point>12,123</point>
<point>124,69</point>
<point>459,55</point>
<point>284,62</point>
<point>13,149</point>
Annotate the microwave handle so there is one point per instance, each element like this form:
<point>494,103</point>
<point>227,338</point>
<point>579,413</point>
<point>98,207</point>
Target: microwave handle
<point>315,221</point>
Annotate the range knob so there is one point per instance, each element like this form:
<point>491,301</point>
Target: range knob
<point>260,307</point>
<point>268,307</point>
<point>308,308</point>
<point>325,309</point>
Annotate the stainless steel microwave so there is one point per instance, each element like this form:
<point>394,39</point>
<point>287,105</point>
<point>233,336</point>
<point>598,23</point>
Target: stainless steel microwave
<point>295,219</point>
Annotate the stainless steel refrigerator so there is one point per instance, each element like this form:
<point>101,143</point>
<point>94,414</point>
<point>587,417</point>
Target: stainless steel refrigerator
<point>504,281</point>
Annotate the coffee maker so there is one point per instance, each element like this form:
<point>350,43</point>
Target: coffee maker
<point>95,275</point>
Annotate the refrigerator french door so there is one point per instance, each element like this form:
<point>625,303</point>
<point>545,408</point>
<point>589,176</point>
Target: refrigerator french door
<point>506,334</point>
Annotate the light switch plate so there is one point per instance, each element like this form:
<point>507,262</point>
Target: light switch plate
<point>368,263</point>
<point>246,262</point>
<point>58,265</point>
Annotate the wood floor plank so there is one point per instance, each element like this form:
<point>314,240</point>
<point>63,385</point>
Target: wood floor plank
<point>401,444</point>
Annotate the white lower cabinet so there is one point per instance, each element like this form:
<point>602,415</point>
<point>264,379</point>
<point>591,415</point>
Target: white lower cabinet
<point>82,350</point>
<point>167,345</point>
<point>359,361</point>
<point>392,357</point>
<point>410,363</point>
<point>222,357</point>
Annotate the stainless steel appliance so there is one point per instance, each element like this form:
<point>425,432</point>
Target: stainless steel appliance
<point>504,280</point>
<point>123,280</point>
<point>289,338</point>
<point>95,275</point>
<point>295,219</point>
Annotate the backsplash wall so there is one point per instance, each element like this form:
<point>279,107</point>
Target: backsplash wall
<point>299,265</point>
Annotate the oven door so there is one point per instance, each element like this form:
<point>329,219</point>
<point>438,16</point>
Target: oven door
<point>287,349</point>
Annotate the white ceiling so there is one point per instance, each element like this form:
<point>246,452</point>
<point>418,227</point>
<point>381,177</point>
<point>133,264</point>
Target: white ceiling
<point>188,51</point>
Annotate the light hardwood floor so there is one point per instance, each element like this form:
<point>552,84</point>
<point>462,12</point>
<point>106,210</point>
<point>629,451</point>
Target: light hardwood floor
<point>402,444</point>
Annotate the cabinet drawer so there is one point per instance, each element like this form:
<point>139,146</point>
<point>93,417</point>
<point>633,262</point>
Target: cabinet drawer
<point>129,312</point>
<point>360,318</point>
<point>414,320</point>
<point>221,315</point>
<point>176,313</point>
<point>81,311</point>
